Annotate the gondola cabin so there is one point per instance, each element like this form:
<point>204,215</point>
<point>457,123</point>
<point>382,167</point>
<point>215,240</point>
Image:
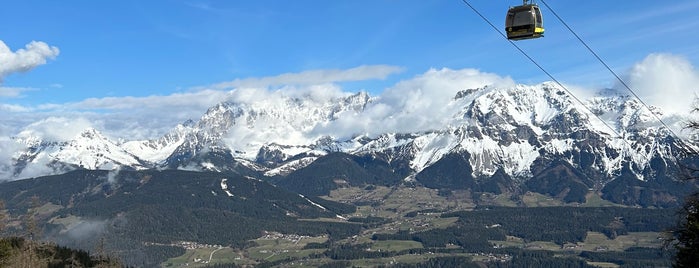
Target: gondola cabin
<point>524,22</point>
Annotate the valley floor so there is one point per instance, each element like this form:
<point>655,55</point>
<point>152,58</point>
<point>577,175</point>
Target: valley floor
<point>413,226</point>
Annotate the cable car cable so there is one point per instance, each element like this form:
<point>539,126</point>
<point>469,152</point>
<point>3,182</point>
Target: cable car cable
<point>610,70</point>
<point>672,132</point>
<point>541,68</point>
<point>618,135</point>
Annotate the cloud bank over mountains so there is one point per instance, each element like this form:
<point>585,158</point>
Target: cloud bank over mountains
<point>664,80</point>
<point>415,104</point>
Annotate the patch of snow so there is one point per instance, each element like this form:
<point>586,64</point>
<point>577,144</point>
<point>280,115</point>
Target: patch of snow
<point>432,147</point>
<point>224,187</point>
<point>210,166</point>
<point>559,146</point>
<point>290,166</point>
<point>313,203</point>
<point>253,179</point>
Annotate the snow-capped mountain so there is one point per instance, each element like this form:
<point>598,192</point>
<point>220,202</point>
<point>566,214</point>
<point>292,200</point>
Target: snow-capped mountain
<point>155,151</point>
<point>88,150</point>
<point>519,132</point>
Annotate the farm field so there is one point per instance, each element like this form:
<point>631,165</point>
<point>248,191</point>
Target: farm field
<point>410,215</point>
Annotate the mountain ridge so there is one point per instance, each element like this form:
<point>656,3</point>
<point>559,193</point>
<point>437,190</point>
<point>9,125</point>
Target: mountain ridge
<point>516,132</point>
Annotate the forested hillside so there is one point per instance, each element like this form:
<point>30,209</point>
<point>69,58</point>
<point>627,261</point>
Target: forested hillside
<point>142,215</point>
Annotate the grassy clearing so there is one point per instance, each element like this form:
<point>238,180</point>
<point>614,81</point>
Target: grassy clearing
<point>511,241</point>
<point>271,247</point>
<point>542,245</point>
<point>593,199</point>
<point>48,208</point>
<point>67,222</point>
<point>325,220</point>
<point>531,199</point>
<point>203,257</point>
<point>598,241</point>
<point>593,242</point>
<point>413,259</point>
<point>291,254</point>
<point>395,202</point>
<point>443,222</point>
<point>503,200</point>
<point>603,264</point>
<point>278,246</point>
<point>395,245</point>
<point>405,259</point>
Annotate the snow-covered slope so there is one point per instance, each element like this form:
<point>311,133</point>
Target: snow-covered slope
<point>519,130</point>
<point>156,151</point>
<point>88,150</point>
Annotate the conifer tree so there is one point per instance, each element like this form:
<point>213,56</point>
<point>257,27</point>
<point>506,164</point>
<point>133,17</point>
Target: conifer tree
<point>3,216</point>
<point>32,226</point>
<point>687,233</point>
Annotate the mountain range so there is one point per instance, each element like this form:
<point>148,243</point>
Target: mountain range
<point>536,138</point>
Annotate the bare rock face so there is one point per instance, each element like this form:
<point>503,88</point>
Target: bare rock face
<point>534,137</point>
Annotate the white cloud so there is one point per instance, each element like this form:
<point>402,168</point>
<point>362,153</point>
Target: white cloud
<point>421,103</point>
<point>56,128</point>
<point>319,93</point>
<point>8,148</point>
<point>284,128</point>
<point>129,118</point>
<point>13,108</point>
<point>440,86</point>
<point>85,230</point>
<point>137,118</point>
<point>664,80</point>
<point>13,92</point>
<point>174,102</point>
<point>417,104</point>
<point>314,77</point>
<point>34,54</point>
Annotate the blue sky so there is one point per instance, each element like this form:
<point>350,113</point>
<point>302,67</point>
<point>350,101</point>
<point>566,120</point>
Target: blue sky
<point>117,51</point>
